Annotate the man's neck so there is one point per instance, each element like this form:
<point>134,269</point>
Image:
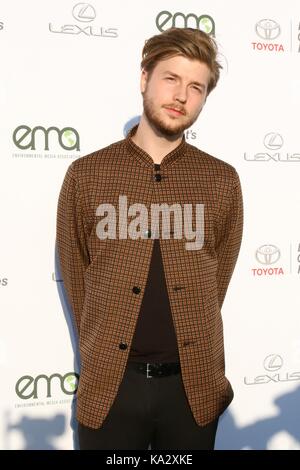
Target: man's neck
<point>154,143</point>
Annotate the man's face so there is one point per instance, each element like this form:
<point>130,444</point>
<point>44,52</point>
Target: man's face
<point>174,94</point>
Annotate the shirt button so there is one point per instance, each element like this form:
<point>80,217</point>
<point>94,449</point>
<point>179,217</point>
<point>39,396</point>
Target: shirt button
<point>136,290</point>
<point>123,346</point>
<point>148,233</point>
<point>157,177</point>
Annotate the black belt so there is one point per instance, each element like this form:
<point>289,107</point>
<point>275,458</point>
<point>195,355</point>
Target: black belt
<point>156,369</point>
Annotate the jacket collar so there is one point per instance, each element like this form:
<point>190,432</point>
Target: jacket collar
<point>145,159</point>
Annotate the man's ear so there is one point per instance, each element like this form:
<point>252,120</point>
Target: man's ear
<point>143,82</point>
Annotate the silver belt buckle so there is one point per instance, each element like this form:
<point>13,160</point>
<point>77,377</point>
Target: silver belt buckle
<point>148,376</point>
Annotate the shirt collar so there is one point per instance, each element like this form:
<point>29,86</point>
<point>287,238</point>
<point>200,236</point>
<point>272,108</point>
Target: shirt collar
<point>145,159</point>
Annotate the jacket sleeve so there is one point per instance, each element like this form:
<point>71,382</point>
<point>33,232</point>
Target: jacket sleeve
<point>71,243</point>
<point>229,239</point>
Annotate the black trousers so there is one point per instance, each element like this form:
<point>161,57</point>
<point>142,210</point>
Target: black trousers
<point>149,411</point>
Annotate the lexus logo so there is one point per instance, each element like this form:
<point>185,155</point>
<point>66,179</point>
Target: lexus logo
<point>273,141</point>
<point>267,254</point>
<point>267,29</point>
<point>273,362</point>
<point>84,12</point>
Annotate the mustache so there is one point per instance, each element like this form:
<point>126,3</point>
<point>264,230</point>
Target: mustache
<point>176,107</point>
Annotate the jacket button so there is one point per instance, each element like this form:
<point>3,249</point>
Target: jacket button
<point>157,177</point>
<point>136,290</point>
<point>123,346</point>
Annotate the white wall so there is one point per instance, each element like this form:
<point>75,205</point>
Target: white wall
<point>90,83</point>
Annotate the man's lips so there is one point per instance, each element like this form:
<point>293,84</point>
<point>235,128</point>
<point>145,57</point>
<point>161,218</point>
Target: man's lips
<point>175,111</point>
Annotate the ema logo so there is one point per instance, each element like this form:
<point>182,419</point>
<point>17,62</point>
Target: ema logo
<point>267,30</point>
<point>29,387</point>
<point>25,138</point>
<point>165,20</point>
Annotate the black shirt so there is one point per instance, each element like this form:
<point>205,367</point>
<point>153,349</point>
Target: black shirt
<point>154,338</point>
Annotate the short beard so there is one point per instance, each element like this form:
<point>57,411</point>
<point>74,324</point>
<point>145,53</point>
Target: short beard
<point>159,124</point>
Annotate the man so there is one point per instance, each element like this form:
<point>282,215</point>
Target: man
<point>147,296</point>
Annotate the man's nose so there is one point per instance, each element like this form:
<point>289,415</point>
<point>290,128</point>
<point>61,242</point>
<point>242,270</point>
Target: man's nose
<point>181,94</point>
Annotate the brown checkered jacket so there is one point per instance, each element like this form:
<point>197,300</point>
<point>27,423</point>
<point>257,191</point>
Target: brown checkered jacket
<point>101,276</point>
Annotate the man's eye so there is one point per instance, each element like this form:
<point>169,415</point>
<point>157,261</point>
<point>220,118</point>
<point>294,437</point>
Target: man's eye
<point>170,78</point>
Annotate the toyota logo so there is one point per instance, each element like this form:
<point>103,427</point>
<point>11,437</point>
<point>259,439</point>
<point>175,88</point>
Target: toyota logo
<point>267,29</point>
<point>273,362</point>
<point>267,254</point>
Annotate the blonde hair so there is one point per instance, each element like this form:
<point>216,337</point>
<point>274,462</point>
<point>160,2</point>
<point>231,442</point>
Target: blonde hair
<point>187,42</point>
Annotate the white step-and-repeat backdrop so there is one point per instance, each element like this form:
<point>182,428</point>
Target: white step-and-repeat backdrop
<point>69,84</point>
